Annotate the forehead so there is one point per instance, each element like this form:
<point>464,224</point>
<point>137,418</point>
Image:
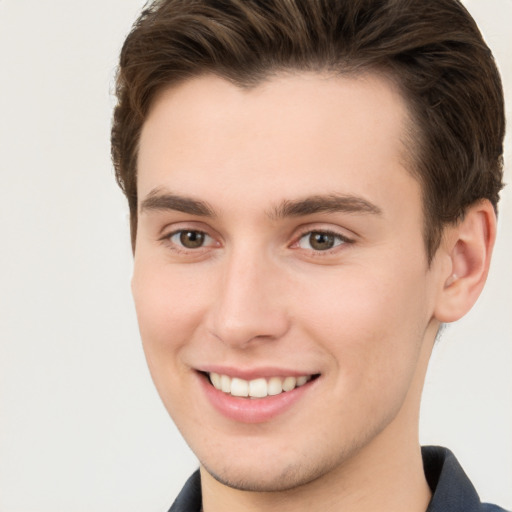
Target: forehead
<point>299,133</point>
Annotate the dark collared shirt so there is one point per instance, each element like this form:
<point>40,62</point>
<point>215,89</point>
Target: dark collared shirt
<point>451,489</point>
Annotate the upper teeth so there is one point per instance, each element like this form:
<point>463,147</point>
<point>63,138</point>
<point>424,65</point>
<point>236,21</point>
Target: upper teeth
<point>257,388</point>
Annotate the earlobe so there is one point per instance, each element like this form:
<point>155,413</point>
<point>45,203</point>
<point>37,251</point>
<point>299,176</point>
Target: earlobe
<point>468,244</point>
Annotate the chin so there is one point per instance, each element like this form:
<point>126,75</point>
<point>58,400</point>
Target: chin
<point>263,479</point>
<point>272,474</point>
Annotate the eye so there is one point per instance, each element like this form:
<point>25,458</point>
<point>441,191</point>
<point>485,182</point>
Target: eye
<point>321,240</point>
<point>190,239</point>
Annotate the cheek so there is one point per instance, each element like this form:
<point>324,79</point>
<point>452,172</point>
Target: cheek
<point>169,305</point>
<point>372,323</point>
<point>169,310</point>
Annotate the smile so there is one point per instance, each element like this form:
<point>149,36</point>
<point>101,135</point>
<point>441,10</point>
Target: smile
<point>261,396</point>
<point>256,388</point>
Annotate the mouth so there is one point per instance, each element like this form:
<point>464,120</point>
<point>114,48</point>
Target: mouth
<point>256,388</point>
<point>260,397</point>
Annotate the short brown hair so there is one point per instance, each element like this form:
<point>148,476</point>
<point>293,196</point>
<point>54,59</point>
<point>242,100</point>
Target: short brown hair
<point>432,49</point>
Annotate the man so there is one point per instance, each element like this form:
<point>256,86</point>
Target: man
<point>313,191</point>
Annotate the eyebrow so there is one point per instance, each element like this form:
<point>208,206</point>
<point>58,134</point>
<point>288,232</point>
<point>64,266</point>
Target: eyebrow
<point>331,203</point>
<point>158,200</point>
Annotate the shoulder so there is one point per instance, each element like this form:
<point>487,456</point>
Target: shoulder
<point>452,491</point>
<point>190,498</point>
<point>488,507</point>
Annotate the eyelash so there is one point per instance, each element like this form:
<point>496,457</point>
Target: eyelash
<point>340,240</point>
<point>179,247</point>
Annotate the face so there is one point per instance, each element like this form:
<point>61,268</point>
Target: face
<point>281,284</point>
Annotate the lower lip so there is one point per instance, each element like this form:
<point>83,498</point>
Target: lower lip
<point>257,410</point>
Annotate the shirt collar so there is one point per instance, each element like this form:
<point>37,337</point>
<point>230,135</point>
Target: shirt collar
<point>451,488</point>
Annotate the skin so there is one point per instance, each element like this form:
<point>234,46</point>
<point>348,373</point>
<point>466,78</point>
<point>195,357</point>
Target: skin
<point>363,314</point>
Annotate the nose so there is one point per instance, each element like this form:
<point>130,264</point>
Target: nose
<point>249,302</point>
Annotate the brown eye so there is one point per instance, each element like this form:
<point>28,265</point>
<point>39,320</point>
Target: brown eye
<point>190,239</point>
<point>320,240</point>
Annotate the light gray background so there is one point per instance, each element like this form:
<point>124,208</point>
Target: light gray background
<point>81,427</point>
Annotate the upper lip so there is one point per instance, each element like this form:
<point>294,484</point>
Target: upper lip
<point>254,373</point>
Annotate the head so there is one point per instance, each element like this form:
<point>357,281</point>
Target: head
<point>432,51</point>
<point>312,189</point>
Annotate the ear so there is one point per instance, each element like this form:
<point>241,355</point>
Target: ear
<point>468,247</point>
